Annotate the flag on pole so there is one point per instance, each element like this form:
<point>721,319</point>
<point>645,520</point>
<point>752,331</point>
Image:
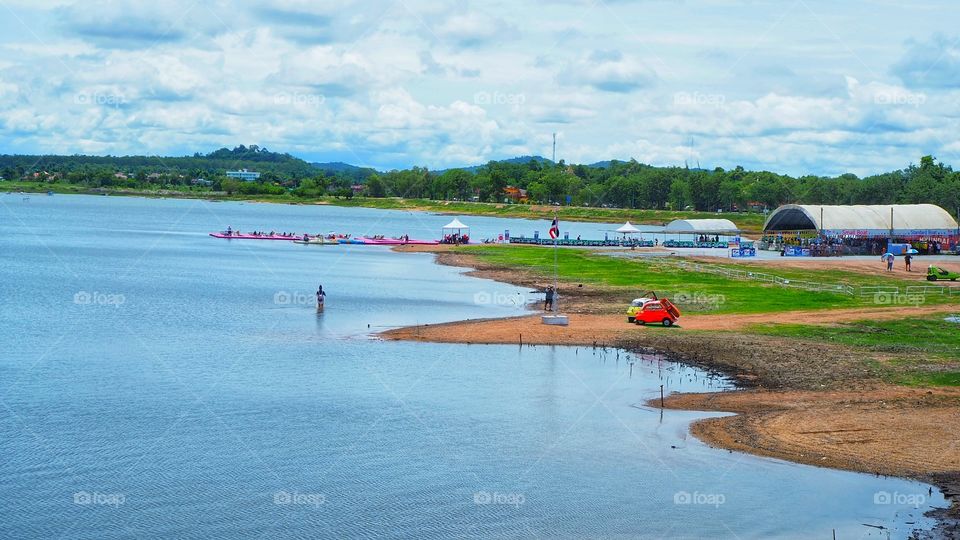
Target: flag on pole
<point>555,229</point>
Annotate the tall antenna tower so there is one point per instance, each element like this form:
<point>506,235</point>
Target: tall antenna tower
<point>554,146</point>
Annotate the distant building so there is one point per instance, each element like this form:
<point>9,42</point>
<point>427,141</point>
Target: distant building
<point>120,176</point>
<point>201,182</point>
<point>245,175</point>
<point>862,229</point>
<point>516,194</point>
<point>357,189</point>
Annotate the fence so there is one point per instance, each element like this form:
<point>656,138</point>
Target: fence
<point>840,288</point>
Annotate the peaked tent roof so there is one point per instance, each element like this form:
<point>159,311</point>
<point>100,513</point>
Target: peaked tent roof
<point>455,224</point>
<point>712,226</point>
<point>628,228</point>
<point>796,217</point>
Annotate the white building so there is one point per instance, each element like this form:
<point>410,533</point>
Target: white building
<point>243,174</point>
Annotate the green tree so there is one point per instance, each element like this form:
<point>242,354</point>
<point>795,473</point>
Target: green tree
<point>375,187</point>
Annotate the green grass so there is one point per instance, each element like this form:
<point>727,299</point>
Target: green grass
<point>948,378</point>
<point>927,335</point>
<point>710,292</point>
<point>829,276</point>
<point>747,222</point>
<point>915,348</point>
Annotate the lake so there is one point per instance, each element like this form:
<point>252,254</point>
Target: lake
<point>156,383</point>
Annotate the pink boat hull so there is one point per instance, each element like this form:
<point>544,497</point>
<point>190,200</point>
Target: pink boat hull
<point>396,242</point>
<point>360,240</point>
<point>255,237</point>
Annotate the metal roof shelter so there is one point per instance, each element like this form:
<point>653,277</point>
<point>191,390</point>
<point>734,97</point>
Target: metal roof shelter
<point>701,226</point>
<point>863,220</point>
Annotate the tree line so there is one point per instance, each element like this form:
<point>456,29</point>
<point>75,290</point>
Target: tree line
<point>618,184</point>
<point>629,184</point>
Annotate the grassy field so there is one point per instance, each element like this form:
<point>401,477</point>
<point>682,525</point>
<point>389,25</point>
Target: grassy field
<point>916,351</point>
<point>747,222</point>
<point>707,292</point>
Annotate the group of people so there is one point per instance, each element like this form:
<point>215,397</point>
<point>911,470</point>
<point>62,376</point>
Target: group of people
<point>231,232</point>
<point>455,238</point>
<point>889,259</point>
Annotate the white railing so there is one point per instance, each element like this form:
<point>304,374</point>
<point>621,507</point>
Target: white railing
<point>814,286</point>
<point>750,275</point>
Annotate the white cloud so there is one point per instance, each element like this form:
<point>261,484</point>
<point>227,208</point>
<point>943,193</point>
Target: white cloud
<point>395,85</point>
<point>608,71</point>
<point>471,28</point>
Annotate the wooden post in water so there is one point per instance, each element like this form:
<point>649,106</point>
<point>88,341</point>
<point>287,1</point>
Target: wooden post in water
<point>661,396</point>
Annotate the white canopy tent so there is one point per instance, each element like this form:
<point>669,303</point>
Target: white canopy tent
<point>628,228</point>
<point>455,225</point>
<point>455,232</point>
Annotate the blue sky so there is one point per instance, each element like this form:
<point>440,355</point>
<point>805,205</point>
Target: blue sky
<point>799,87</point>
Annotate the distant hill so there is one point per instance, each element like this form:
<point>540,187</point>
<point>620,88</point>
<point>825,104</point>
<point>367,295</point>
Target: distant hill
<point>515,160</point>
<point>353,171</point>
<point>606,164</point>
<point>253,157</point>
<point>250,153</point>
<point>274,165</point>
<point>526,159</point>
<point>602,164</point>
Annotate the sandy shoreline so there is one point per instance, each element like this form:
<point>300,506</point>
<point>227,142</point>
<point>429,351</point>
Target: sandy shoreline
<point>812,403</point>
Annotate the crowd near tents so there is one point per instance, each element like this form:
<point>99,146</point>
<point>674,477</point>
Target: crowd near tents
<point>862,229</point>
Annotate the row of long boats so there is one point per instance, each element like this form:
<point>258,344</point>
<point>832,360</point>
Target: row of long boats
<point>324,240</point>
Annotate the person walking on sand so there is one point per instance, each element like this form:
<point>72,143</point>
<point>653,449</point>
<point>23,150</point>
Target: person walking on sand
<point>548,299</point>
<point>906,260</point>
<point>321,296</point>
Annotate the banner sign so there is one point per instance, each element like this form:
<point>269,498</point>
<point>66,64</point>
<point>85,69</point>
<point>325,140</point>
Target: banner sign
<point>883,233</point>
<point>739,252</point>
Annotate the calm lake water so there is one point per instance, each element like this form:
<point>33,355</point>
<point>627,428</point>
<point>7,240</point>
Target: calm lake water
<point>159,383</point>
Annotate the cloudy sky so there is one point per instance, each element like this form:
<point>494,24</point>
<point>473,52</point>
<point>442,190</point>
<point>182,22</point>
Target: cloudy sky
<point>800,86</point>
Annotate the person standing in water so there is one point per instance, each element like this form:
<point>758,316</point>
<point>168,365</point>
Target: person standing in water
<point>321,296</point>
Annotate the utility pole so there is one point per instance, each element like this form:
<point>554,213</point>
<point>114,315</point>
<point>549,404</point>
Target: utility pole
<point>554,147</point>
<point>890,240</point>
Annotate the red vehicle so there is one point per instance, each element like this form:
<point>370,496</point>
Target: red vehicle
<point>659,311</point>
